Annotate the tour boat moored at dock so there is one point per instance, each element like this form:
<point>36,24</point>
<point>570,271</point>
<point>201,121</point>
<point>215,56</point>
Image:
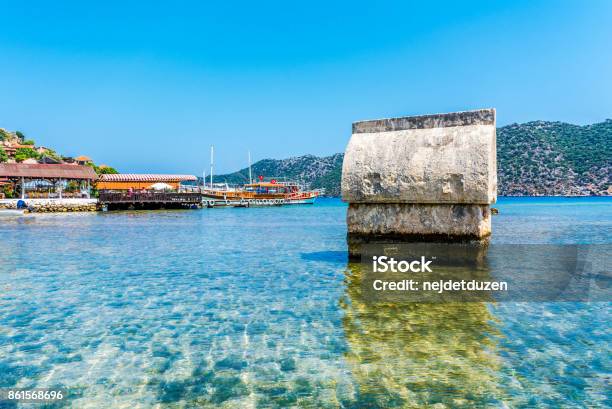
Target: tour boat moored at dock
<point>264,194</point>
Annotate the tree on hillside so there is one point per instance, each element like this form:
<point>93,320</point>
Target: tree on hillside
<point>3,155</point>
<point>4,135</point>
<point>102,170</point>
<point>20,135</point>
<point>22,154</point>
<point>106,170</point>
<point>52,154</point>
<point>28,142</point>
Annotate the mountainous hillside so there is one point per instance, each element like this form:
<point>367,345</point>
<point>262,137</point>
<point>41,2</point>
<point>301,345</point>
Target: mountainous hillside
<point>554,158</point>
<point>310,170</point>
<point>534,159</point>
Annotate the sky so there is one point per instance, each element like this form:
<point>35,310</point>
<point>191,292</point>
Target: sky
<point>150,86</point>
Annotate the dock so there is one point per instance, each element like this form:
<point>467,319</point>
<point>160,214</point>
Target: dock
<point>148,200</point>
<point>174,200</point>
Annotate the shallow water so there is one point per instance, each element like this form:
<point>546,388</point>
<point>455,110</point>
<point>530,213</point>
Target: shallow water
<point>258,308</point>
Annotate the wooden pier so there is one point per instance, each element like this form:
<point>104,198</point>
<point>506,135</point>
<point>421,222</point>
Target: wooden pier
<point>149,200</point>
<point>175,200</point>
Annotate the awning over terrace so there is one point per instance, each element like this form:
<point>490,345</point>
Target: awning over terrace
<point>21,174</point>
<point>47,171</point>
<point>126,181</point>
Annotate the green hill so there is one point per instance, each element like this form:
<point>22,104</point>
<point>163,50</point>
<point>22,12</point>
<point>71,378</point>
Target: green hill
<point>535,158</point>
<point>311,171</point>
<point>554,158</point>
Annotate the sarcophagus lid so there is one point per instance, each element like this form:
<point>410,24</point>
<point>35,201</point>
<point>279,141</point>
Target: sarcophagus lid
<point>440,158</point>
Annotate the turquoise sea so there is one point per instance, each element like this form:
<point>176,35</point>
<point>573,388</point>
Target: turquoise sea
<point>258,308</point>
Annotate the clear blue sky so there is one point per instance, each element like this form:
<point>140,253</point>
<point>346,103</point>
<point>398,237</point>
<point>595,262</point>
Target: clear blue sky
<point>148,87</point>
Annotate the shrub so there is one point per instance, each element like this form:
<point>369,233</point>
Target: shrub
<point>4,135</point>
<point>72,186</point>
<point>8,191</point>
<point>3,155</point>
<point>107,171</point>
<point>22,154</point>
<point>52,154</point>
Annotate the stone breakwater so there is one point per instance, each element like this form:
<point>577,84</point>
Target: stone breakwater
<point>54,205</point>
<point>422,178</point>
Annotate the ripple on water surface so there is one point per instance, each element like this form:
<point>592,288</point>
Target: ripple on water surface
<point>259,308</point>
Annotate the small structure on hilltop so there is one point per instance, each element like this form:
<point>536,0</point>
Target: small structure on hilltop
<point>83,160</point>
<point>426,178</point>
<point>127,181</point>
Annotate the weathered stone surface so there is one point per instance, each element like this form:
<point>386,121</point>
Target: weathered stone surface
<point>477,117</point>
<point>421,220</point>
<point>446,158</point>
<point>422,223</point>
<point>429,178</point>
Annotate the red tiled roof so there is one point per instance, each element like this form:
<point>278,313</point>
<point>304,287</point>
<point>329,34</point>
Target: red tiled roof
<point>146,177</point>
<point>55,171</point>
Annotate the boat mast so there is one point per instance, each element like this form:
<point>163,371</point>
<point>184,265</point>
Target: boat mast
<point>211,165</point>
<point>250,176</point>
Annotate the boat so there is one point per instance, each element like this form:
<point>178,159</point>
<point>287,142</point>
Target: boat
<point>263,193</point>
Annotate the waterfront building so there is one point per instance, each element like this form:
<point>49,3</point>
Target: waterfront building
<point>22,175</point>
<point>127,181</point>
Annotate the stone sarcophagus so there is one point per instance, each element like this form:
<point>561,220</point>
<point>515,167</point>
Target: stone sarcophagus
<point>421,178</point>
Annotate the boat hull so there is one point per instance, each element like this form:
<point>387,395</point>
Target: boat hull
<point>208,201</point>
<point>226,198</point>
<point>301,201</point>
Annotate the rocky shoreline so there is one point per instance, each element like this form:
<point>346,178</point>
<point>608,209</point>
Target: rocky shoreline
<point>54,205</point>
